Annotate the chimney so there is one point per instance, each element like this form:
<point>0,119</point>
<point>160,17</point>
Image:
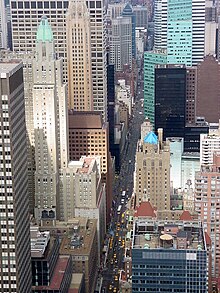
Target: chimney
<point>160,137</point>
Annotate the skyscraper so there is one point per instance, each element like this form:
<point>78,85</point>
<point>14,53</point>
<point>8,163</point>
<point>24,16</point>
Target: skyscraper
<point>209,108</point>
<point>3,26</point>
<point>141,16</point>
<point>25,18</point>
<point>198,36</point>
<point>99,55</point>
<point>170,99</point>
<point>15,258</point>
<point>89,136</point>
<point>180,28</point>
<point>79,56</point>
<point>150,60</point>
<point>121,42</point>
<point>128,12</point>
<point>50,123</point>
<point>179,32</point>
<point>152,171</point>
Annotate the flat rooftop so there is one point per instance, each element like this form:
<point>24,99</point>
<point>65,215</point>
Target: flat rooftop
<point>78,241</point>
<point>58,275</point>
<point>9,67</point>
<point>153,234</point>
<point>76,282</point>
<point>85,120</point>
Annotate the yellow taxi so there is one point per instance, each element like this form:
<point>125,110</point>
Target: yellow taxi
<point>115,290</point>
<point>116,278</point>
<point>114,255</point>
<point>110,287</point>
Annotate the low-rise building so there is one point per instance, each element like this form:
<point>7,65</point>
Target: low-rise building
<point>83,192</point>
<point>170,255</point>
<point>51,273</point>
<point>81,243</point>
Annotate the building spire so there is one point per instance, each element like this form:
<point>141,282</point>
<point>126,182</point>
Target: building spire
<point>44,31</point>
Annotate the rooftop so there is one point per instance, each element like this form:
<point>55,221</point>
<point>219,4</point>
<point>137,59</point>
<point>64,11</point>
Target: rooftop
<point>87,165</point>
<point>76,281</point>
<point>151,138</point>
<point>85,120</point>
<point>145,210</point>
<point>179,235</point>
<point>186,216</point>
<point>79,241</point>
<point>39,241</point>
<point>58,275</point>
<point>44,31</point>
<point>9,67</point>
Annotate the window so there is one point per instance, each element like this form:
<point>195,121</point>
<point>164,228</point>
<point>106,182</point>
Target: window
<point>46,4</point>
<point>92,4</point>
<point>98,4</point>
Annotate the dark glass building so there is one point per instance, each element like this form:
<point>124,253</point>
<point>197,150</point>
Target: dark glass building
<point>111,102</point>
<point>192,135</point>
<point>170,99</point>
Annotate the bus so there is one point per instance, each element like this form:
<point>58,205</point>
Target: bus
<point>119,209</point>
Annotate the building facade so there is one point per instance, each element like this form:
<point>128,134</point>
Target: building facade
<point>179,32</point>
<point>209,143</point>
<point>15,257</point>
<point>25,19</point>
<point>3,26</point>
<point>141,16</point>
<point>128,12</point>
<point>121,42</point>
<point>170,99</point>
<point>81,243</point>
<point>50,124</point>
<point>191,91</point>
<point>207,197</point>
<point>208,108</point>
<point>152,171</point>
<point>150,60</point>
<point>169,257</point>
<point>83,194</point>
<point>89,136</point>
<point>27,59</point>
<point>79,66</point>
<point>174,19</point>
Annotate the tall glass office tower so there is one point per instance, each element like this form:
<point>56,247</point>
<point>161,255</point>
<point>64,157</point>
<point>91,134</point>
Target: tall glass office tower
<point>180,28</point>
<point>179,32</point>
<point>150,60</point>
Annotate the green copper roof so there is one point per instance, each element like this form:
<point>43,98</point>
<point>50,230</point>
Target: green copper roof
<point>44,31</point>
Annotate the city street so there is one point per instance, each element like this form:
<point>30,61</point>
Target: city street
<point>123,182</point>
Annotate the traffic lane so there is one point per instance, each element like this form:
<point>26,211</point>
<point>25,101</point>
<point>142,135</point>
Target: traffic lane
<point>123,183</point>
